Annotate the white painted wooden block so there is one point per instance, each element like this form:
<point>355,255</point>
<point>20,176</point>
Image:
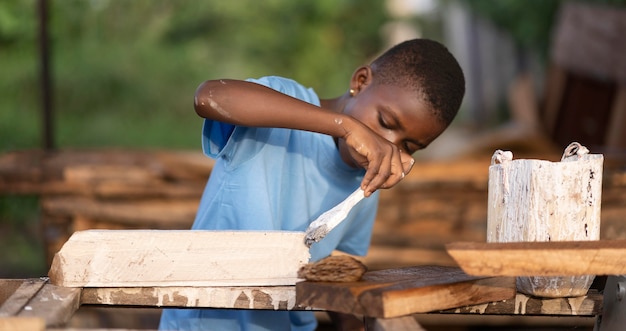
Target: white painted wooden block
<point>537,200</point>
<point>138,258</point>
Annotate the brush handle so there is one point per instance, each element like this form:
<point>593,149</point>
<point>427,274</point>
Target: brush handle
<point>319,228</point>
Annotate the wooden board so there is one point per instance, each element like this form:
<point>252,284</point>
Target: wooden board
<point>240,297</point>
<point>22,323</point>
<point>566,258</point>
<point>398,292</point>
<point>36,302</point>
<point>586,305</point>
<point>139,258</point>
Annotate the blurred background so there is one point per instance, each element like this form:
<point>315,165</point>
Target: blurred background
<point>102,75</point>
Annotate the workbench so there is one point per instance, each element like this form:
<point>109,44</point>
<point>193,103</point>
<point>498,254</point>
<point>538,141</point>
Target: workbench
<point>36,304</point>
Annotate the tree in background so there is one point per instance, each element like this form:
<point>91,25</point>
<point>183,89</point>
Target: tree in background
<point>124,71</point>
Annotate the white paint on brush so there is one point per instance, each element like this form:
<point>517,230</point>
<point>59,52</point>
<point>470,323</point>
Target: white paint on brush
<point>319,228</point>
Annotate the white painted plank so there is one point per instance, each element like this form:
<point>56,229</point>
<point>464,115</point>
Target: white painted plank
<point>138,258</point>
<point>241,297</point>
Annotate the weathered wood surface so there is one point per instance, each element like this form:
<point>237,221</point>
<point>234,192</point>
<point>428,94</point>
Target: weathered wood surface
<point>522,304</point>
<point>241,297</point>
<point>20,298</point>
<point>335,268</point>
<point>443,202</point>
<point>284,298</point>
<point>398,292</point>
<point>602,257</point>
<point>138,258</point>
<point>157,213</point>
<point>538,200</point>
<point>37,299</point>
<point>104,172</point>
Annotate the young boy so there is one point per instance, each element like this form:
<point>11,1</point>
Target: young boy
<point>284,157</point>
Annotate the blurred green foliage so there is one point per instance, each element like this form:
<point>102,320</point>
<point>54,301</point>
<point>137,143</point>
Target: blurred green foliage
<point>124,72</point>
<point>21,247</point>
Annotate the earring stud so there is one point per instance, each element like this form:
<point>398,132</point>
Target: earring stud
<point>352,92</point>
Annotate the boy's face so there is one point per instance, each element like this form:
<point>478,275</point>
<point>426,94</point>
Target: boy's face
<point>395,114</point>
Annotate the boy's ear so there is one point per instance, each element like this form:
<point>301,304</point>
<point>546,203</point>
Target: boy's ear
<point>361,78</point>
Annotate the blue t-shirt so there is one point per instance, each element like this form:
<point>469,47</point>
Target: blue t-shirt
<point>275,179</point>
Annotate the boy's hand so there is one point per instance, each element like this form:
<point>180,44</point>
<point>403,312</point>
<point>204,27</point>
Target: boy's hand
<point>385,164</point>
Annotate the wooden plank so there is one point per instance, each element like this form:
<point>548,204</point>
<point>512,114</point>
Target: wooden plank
<point>36,300</point>
<point>55,304</point>
<point>397,292</point>
<point>95,173</point>
<point>140,258</point>
<point>241,297</point>
<point>386,257</point>
<point>522,304</point>
<point>8,287</point>
<point>22,324</point>
<point>20,298</point>
<point>566,258</point>
<point>173,213</point>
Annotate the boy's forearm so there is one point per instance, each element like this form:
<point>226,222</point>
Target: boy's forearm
<point>251,104</point>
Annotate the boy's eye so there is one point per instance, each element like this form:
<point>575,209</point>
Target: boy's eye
<point>382,122</point>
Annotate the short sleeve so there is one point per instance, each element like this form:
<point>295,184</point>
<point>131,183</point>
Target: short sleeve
<point>216,135</point>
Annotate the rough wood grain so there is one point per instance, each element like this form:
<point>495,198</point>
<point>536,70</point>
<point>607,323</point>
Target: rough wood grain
<point>339,268</point>
<point>36,299</point>
<point>240,297</point>
<point>603,257</point>
<point>55,304</point>
<point>137,258</point>
<point>20,298</point>
<point>536,200</point>
<point>160,213</point>
<point>522,304</point>
<point>397,292</point>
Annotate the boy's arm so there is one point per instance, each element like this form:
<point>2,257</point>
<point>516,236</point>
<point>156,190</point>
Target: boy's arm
<point>250,104</point>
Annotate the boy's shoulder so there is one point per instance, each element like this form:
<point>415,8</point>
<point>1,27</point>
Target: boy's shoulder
<point>290,87</point>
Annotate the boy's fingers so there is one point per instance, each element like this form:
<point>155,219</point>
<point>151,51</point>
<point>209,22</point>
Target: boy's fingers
<point>407,163</point>
<point>398,170</point>
<point>390,171</point>
<point>375,176</point>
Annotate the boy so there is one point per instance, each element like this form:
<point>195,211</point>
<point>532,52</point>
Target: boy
<point>284,157</point>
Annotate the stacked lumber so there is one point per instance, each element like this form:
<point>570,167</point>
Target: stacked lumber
<point>437,203</point>
<point>107,189</point>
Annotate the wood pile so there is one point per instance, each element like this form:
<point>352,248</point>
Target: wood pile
<point>439,202</point>
<point>107,189</point>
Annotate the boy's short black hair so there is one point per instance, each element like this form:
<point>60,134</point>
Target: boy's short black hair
<point>427,67</point>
